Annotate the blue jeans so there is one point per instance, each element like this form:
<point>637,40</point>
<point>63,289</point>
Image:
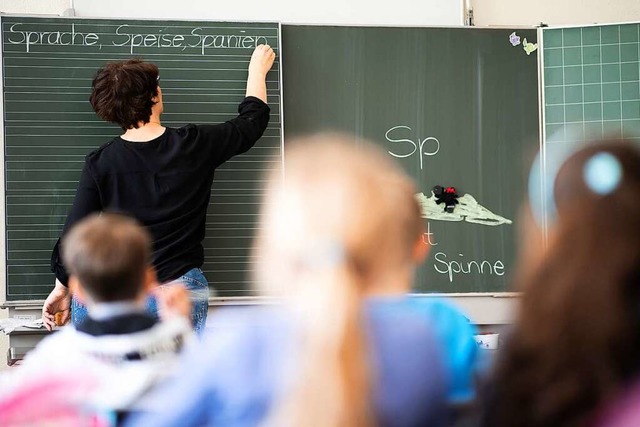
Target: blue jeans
<point>193,280</point>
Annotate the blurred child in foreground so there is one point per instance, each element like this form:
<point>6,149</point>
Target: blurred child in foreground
<point>340,240</point>
<point>119,352</point>
<point>576,339</point>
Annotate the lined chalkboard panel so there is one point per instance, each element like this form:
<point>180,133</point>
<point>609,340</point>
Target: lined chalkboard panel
<point>49,126</point>
<point>456,107</point>
<point>591,82</point>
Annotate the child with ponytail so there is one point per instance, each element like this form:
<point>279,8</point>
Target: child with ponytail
<point>342,347</point>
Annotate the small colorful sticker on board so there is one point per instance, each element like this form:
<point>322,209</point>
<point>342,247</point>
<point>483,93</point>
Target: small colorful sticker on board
<point>514,39</point>
<point>529,47</point>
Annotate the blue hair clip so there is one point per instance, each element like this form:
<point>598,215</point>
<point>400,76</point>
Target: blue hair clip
<point>602,173</point>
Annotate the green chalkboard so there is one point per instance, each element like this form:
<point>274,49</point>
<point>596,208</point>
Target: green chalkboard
<point>591,82</point>
<point>591,85</point>
<point>466,98</point>
<point>48,65</point>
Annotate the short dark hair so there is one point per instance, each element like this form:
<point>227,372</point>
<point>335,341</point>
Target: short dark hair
<point>109,255</point>
<point>122,92</point>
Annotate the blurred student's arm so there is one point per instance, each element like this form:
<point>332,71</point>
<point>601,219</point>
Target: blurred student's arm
<point>192,395</point>
<point>456,335</point>
<point>186,399</point>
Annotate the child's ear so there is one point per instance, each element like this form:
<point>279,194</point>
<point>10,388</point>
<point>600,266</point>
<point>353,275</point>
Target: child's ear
<point>420,250</point>
<point>150,279</point>
<point>76,289</point>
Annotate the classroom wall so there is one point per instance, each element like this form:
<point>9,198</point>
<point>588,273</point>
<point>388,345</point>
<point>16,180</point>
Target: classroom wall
<point>404,12</point>
<point>554,12</point>
<point>50,7</point>
<point>399,12</point>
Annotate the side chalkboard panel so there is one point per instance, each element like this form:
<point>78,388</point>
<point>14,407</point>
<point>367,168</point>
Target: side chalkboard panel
<point>457,107</point>
<point>591,82</point>
<point>48,65</point>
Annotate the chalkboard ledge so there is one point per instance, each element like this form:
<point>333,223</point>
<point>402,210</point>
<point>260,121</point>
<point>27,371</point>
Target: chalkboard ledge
<point>22,303</point>
<point>482,308</point>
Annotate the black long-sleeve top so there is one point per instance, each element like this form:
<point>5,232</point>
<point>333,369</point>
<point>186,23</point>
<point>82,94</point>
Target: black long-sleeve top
<point>165,184</point>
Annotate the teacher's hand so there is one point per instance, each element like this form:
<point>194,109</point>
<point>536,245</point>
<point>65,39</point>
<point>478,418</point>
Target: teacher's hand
<point>260,64</point>
<point>58,302</point>
<point>261,60</point>
<point>173,301</point>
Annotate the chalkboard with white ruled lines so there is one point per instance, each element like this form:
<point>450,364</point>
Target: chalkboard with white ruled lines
<point>49,127</point>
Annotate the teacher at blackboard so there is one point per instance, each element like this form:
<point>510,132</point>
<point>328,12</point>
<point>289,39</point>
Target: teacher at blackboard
<point>162,176</point>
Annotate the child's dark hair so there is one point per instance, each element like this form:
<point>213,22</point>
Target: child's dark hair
<point>123,92</point>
